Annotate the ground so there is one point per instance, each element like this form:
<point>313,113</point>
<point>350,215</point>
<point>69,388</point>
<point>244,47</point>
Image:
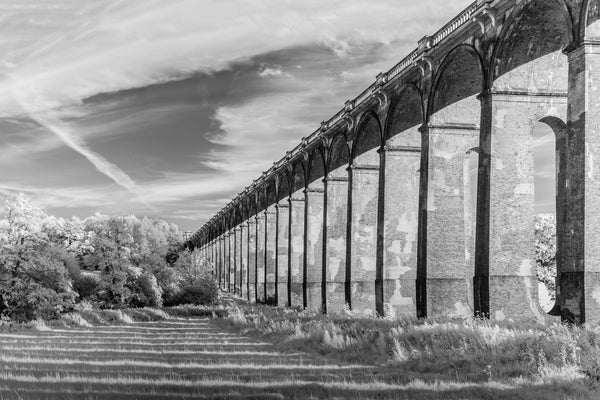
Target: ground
<point>199,358</point>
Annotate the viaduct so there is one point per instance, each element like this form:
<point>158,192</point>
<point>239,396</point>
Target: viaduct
<point>378,208</point>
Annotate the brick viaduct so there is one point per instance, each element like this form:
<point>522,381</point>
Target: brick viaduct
<point>378,208</point>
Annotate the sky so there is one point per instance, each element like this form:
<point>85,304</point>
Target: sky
<point>170,108</point>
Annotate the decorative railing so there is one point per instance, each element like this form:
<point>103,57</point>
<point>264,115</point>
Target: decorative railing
<point>405,64</point>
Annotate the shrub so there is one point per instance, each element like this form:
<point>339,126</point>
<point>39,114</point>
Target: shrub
<point>87,285</point>
<point>204,291</point>
<point>28,300</point>
<point>146,292</point>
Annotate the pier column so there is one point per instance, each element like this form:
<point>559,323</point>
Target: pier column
<point>314,247</point>
<point>400,224</point>
<point>337,225</point>
<point>450,271</point>
<point>260,256</point>
<point>297,206</point>
<point>283,225</point>
<point>363,234</point>
<point>251,288</point>
<point>229,259</point>
<point>243,282</point>
<point>580,278</point>
<point>508,121</point>
<point>236,259</point>
<point>270,253</point>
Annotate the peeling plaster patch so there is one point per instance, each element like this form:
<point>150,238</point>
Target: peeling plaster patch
<point>367,263</point>
<point>314,230</point>
<point>408,224</point>
<point>441,153</point>
<point>525,188</point>
<point>334,266</point>
<point>395,247</point>
<point>398,300</point>
<point>431,199</point>
<point>297,243</point>
<point>500,116</point>
<point>533,302</point>
<point>525,268</point>
<point>590,159</point>
<point>499,315</point>
<point>462,310</point>
<point>596,294</point>
<point>338,245</point>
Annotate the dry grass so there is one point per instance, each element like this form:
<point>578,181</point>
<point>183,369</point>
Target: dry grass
<point>564,360</point>
<point>266,353</point>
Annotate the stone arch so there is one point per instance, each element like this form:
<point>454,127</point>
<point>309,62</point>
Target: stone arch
<point>590,19</point>
<point>405,113</point>
<point>528,55</point>
<point>367,139</point>
<point>244,209</point>
<point>297,232</point>
<point>271,192</point>
<point>283,186</point>
<point>459,80</point>
<point>298,180</point>
<point>316,167</point>
<point>398,209</point>
<point>315,230</point>
<point>337,273</point>
<point>444,274</point>
<point>560,131</point>
<point>339,156</point>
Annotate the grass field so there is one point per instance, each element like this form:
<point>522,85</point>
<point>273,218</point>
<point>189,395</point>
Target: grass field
<point>201,357</point>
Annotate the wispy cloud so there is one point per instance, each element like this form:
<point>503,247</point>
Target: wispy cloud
<point>55,55</point>
<point>32,102</point>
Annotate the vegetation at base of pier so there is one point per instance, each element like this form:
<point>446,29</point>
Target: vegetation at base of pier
<point>50,266</point>
<point>471,350</point>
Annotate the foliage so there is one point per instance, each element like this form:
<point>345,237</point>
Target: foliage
<point>110,261</point>
<point>87,286</point>
<point>34,280</point>
<point>545,250</point>
<point>472,350</point>
<point>203,291</point>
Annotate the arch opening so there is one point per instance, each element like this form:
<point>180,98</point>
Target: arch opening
<point>530,57</point>
<point>549,159</point>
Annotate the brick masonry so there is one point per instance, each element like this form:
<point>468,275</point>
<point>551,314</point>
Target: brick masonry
<point>393,229</point>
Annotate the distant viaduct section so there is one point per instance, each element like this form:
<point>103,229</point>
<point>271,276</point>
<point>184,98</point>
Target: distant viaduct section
<point>381,209</point>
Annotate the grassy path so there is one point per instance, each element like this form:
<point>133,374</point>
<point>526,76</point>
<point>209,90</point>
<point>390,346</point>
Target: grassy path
<point>178,358</point>
<point>193,358</point>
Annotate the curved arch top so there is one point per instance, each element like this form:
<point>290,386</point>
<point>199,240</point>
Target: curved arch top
<point>458,81</point>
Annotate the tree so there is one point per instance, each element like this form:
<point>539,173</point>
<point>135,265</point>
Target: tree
<point>545,250</point>
<point>34,281</point>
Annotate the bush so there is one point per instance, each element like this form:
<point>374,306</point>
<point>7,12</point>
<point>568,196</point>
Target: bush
<point>27,300</point>
<point>205,291</point>
<point>87,285</point>
<point>147,292</point>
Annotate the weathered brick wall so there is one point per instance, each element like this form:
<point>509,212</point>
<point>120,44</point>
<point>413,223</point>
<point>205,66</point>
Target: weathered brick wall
<point>478,86</point>
<point>271,248</point>
<point>283,225</point>
<point>297,247</point>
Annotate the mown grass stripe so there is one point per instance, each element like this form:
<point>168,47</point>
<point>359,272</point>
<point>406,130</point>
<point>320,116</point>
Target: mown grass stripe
<point>151,352</point>
<point>158,364</point>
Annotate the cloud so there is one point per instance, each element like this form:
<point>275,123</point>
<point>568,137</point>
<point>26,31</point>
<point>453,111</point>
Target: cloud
<point>265,71</point>
<point>73,50</point>
<point>55,55</point>
<point>30,100</point>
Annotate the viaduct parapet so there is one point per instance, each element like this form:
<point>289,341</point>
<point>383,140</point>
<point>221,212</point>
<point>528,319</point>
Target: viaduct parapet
<point>378,208</point>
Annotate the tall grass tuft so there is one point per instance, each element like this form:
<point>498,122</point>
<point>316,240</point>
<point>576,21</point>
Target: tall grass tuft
<point>464,350</point>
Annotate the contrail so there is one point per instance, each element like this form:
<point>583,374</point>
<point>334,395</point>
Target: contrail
<point>33,103</point>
